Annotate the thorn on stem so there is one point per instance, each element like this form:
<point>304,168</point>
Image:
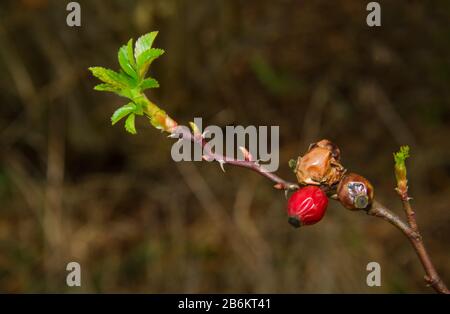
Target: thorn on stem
<point>246,153</point>
<point>279,186</point>
<point>221,163</point>
<point>173,135</point>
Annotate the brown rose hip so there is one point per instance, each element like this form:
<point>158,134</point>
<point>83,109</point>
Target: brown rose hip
<point>355,192</point>
<point>320,165</point>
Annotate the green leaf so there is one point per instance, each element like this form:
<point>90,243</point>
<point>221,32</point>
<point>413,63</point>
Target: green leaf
<point>126,59</point>
<point>111,77</point>
<point>130,53</point>
<point>149,83</point>
<point>401,156</point>
<point>148,56</point>
<point>144,43</point>
<point>400,168</point>
<point>125,92</point>
<point>107,88</point>
<point>145,59</point>
<point>122,112</point>
<point>129,124</point>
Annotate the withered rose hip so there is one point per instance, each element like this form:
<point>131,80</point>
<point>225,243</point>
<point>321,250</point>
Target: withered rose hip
<point>320,165</point>
<point>355,192</point>
<point>307,206</point>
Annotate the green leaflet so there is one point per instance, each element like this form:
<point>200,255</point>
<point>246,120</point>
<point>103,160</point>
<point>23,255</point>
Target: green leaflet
<point>144,60</point>
<point>115,79</point>
<point>144,43</point>
<point>107,88</point>
<point>126,59</point>
<point>129,124</point>
<point>124,92</point>
<point>149,83</point>
<point>122,112</point>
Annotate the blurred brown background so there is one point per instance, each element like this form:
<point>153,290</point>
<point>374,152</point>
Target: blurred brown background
<point>73,188</point>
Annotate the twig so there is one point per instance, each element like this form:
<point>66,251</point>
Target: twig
<point>377,209</point>
<point>253,165</point>
<point>410,214</point>
<point>402,191</point>
<point>380,211</point>
<point>431,277</point>
<point>413,235</point>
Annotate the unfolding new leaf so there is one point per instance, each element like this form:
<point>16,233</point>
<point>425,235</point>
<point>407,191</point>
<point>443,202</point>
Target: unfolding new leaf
<point>119,80</point>
<point>144,43</point>
<point>130,53</point>
<point>122,112</point>
<point>125,92</point>
<point>126,59</point>
<point>401,156</point>
<point>129,124</point>
<point>107,88</point>
<point>148,56</point>
<point>149,83</point>
<point>145,59</point>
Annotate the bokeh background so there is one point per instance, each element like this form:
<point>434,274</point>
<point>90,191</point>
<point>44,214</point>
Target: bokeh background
<point>73,188</point>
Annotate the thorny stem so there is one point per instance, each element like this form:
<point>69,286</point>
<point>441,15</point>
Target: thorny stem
<point>253,165</point>
<point>409,229</point>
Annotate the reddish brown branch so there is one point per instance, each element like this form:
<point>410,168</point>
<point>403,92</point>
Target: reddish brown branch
<point>431,277</point>
<point>413,235</point>
<point>380,211</point>
<point>410,214</point>
<point>280,183</point>
<point>253,165</point>
<point>377,210</point>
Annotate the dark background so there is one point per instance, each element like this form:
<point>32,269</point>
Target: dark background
<point>73,188</point>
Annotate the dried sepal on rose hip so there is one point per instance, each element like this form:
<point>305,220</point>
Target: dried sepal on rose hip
<point>307,206</point>
<point>333,148</point>
<point>320,165</point>
<point>355,192</point>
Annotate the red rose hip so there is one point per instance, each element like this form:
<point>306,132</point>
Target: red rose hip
<point>307,206</point>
